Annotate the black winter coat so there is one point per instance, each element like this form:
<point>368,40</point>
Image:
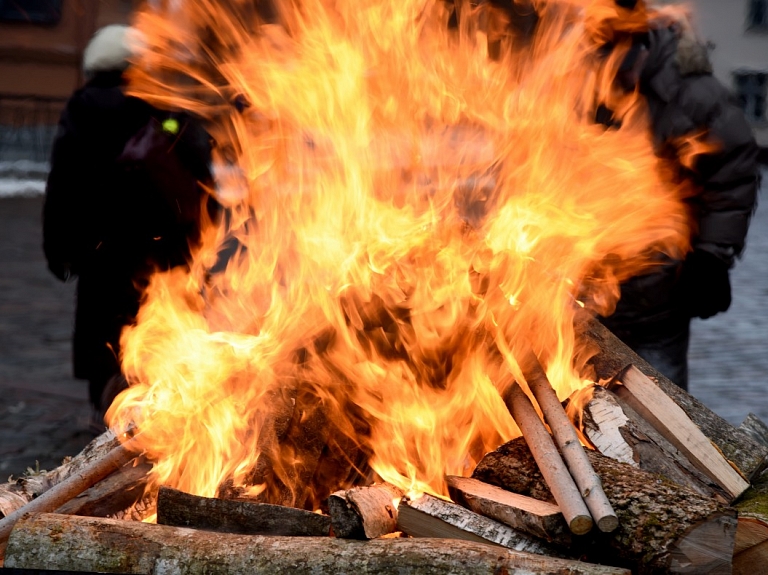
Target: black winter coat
<point>685,99</point>
<point>105,218</point>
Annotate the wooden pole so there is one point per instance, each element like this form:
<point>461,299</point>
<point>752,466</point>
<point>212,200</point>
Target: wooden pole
<point>71,487</point>
<point>568,441</point>
<point>550,463</point>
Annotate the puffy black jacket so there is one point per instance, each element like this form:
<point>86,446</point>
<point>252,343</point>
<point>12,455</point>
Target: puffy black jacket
<point>684,99</point>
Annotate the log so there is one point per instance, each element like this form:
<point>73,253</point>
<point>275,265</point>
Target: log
<point>755,428</point>
<point>750,553</point>
<point>548,459</point>
<point>612,356</point>
<point>429,516</point>
<point>619,432</point>
<point>49,541</point>
<point>537,518</point>
<point>663,527</point>
<point>119,491</point>
<point>179,509</point>
<point>364,512</point>
<point>650,401</point>
<point>70,487</point>
<point>18,492</point>
<point>568,443</point>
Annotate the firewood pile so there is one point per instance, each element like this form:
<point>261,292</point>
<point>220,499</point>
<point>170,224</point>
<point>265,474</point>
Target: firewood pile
<point>663,486</point>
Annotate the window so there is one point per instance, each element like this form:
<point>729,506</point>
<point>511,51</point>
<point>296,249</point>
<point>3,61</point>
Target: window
<point>758,15</point>
<point>33,11</point>
<point>751,93</point>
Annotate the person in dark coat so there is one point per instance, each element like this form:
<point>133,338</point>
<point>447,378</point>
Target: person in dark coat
<point>122,201</point>
<point>671,70</point>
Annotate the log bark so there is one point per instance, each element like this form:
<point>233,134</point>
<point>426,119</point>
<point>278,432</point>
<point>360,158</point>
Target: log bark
<point>18,492</point>
<point>180,509</point>
<point>650,401</point>
<point>612,356</point>
<point>537,518</point>
<point>619,432</point>
<point>48,541</point>
<point>663,527</point>
<point>548,460</point>
<point>70,487</point>
<point>569,444</point>
<point>364,512</point>
<point>119,491</point>
<point>428,516</point>
<point>755,428</point>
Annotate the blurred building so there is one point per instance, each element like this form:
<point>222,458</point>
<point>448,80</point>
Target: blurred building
<point>736,32</point>
<point>41,46</point>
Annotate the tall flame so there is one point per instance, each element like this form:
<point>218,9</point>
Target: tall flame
<point>403,213</point>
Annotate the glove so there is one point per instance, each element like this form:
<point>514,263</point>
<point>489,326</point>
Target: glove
<point>704,285</point>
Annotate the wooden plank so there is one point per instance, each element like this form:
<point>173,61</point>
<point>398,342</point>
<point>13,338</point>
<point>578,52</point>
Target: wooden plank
<point>48,541</point>
<point>650,401</point>
<point>611,356</point>
<point>538,518</point>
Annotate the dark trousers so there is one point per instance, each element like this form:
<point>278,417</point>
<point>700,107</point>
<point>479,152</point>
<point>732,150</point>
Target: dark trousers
<point>662,343</point>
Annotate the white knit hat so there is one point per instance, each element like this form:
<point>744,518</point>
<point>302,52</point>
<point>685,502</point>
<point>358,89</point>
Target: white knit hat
<point>109,49</point>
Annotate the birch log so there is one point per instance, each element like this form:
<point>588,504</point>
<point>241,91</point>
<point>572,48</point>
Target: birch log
<point>663,527</point>
<point>49,541</point>
<point>611,356</point>
<point>619,432</point>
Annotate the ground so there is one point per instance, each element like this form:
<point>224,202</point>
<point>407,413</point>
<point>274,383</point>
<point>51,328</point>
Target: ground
<point>44,412</point>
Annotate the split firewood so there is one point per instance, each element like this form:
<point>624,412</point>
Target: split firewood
<point>72,486</point>
<point>365,512</point>
<point>118,492</point>
<point>619,432</point>
<point>568,443</point>
<point>612,356</point>
<point>755,428</point>
<point>526,514</point>
<point>180,509</point>
<point>429,516</point>
<point>663,527</point>
<point>548,459</point>
<point>650,401</point>
<point>48,541</point>
<point>18,492</point>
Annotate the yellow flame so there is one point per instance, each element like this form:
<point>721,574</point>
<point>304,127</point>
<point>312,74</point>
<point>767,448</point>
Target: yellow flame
<point>402,210</point>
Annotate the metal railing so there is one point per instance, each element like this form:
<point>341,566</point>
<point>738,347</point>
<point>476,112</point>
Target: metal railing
<point>28,126</point>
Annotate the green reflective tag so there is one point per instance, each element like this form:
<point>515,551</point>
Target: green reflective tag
<point>171,126</point>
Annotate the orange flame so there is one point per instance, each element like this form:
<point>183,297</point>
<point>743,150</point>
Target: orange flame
<point>403,210</point>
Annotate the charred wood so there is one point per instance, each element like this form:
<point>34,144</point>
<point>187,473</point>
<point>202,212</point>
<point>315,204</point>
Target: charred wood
<point>180,509</point>
<point>663,527</point>
<point>48,541</point>
<point>612,356</point>
<point>364,512</point>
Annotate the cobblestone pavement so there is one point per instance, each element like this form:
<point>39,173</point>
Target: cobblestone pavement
<point>44,412</point>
